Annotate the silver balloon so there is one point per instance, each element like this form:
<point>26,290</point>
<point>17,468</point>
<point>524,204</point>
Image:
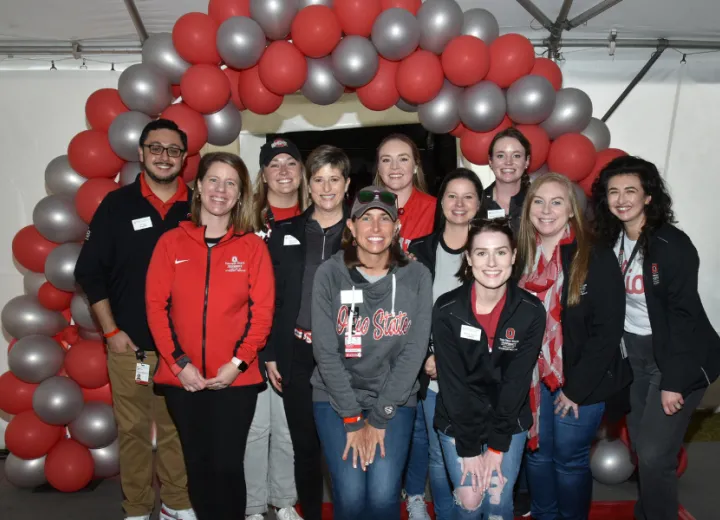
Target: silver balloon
<point>56,218</point>
<point>611,462</point>
<point>440,21</point>
<point>440,115</point>
<point>159,51</point>
<point>129,173</point>
<point>224,125</point>
<point>307,3</point>
<point>80,311</point>
<point>95,427</point>
<point>240,42</point>
<point>599,133</point>
<point>144,88</point>
<point>395,34</point>
<point>58,400</point>
<point>482,24</point>
<point>572,113</point>
<point>90,334</point>
<point>34,358</point>
<point>124,134</point>
<point>25,473</point>
<point>405,106</point>
<point>539,172</point>
<point>32,283</point>
<point>530,100</point>
<point>321,87</point>
<point>355,61</point>
<point>23,316</point>
<point>580,196</point>
<point>60,266</point>
<point>274,16</point>
<point>107,460</point>
<point>61,179</point>
<point>482,106</point>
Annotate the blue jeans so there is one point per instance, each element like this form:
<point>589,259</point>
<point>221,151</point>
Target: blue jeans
<point>439,478</point>
<point>375,493</point>
<point>493,506</point>
<point>417,465</point>
<point>559,470</point>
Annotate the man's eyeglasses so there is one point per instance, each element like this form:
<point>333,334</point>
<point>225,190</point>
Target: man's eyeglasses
<point>158,149</point>
<point>386,197</point>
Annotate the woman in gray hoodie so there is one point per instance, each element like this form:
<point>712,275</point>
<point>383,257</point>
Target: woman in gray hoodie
<point>371,313</point>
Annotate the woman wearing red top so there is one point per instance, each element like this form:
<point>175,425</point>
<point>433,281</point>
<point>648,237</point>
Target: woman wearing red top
<point>210,297</point>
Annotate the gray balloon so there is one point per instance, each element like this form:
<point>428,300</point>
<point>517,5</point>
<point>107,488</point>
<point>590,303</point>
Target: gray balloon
<point>144,88</point>
<point>60,266</point>
<point>58,400</point>
<point>307,3</point>
<point>321,87</point>
<point>395,34</point>
<point>32,283</point>
<point>482,106</point>
<point>355,61</point>
<point>61,179</point>
<point>240,42</point>
<point>611,462</point>
<point>440,21</point>
<point>580,197</point>
<point>441,115</point>
<point>274,16</point>
<point>34,358</point>
<point>405,106</point>
<point>599,133</point>
<point>224,125</point>
<point>159,51</point>
<point>124,134</point>
<point>95,426</point>
<point>129,173</point>
<point>539,172</point>
<point>572,113</point>
<point>80,311</point>
<point>530,100</point>
<point>90,334</point>
<point>107,460</point>
<point>56,218</point>
<point>482,24</point>
<point>23,316</point>
<point>25,473</point>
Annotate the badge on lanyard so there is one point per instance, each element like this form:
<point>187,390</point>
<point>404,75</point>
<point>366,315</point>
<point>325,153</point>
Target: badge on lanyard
<point>353,340</point>
<point>142,369</point>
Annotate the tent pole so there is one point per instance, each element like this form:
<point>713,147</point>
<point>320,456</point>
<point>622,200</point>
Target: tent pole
<point>136,20</point>
<point>535,11</point>
<point>555,39</point>
<point>591,13</point>
<point>636,43</point>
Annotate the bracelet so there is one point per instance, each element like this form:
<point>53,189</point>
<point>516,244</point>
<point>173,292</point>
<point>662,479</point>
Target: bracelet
<point>352,420</point>
<point>112,333</point>
<point>496,452</point>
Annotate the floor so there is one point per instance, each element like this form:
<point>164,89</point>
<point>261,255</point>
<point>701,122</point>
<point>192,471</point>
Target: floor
<point>698,493</point>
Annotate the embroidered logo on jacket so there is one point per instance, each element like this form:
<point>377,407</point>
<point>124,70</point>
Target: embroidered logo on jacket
<point>655,274</point>
<point>384,323</point>
<point>508,343</point>
<point>234,266</point>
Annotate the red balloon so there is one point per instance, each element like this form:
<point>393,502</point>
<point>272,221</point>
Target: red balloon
<point>90,154</point>
<point>205,88</point>
<point>512,56</point>
<point>316,31</point>
<point>539,145</point>
<point>234,77</point>
<point>29,438</point>
<point>475,146</point>
<point>190,169</point>
<point>282,68</point>
<point>191,122</point>
<point>69,466</point>
<point>602,159</point>
<point>53,298</point>
<point>459,130</point>
<point>15,395</point>
<point>102,107</point>
<point>381,93</point>
<point>255,96</point>
<point>221,10</point>
<point>31,249</point>
<point>11,344</point>
<point>175,91</point>
<point>194,36</point>
<point>420,77</point>
<point>357,16</point>
<point>465,60</point>
<point>102,394</point>
<point>410,5</point>
<point>86,363</point>
<point>90,195</point>
<point>573,155</point>
<point>549,70</point>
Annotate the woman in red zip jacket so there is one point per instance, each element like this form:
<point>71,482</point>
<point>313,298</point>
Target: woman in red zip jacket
<point>210,300</point>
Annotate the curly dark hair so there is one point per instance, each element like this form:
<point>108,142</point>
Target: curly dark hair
<point>659,211</point>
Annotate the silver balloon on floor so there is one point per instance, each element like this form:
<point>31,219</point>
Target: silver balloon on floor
<point>440,115</point>
<point>530,100</point>
<point>107,460</point>
<point>25,473</point>
<point>572,113</point>
<point>32,283</point>
<point>95,426</point>
<point>482,106</point>
<point>129,173</point>
<point>61,179</point>
<point>481,23</point>
<point>23,316</point>
<point>611,462</point>
<point>56,218</point>
<point>224,126</point>
<point>58,400</point>
<point>274,16</point>
<point>599,133</point>
<point>321,87</point>
<point>60,266</point>
<point>240,42</point>
<point>34,358</point>
<point>80,311</point>
<point>159,51</point>
<point>144,88</point>
<point>440,21</point>
<point>124,134</point>
<point>395,34</point>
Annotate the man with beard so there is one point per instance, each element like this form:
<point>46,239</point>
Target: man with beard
<point>111,271</point>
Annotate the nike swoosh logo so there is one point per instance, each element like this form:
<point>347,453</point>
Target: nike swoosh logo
<point>180,261</point>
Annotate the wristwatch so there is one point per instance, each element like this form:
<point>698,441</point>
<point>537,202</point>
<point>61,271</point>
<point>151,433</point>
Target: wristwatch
<point>240,364</point>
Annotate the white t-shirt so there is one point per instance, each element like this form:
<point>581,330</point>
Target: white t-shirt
<point>637,319</point>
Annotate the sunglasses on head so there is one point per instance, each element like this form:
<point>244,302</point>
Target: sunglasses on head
<point>385,197</point>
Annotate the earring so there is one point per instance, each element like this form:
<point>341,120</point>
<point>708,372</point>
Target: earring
<point>354,243</point>
<point>416,170</point>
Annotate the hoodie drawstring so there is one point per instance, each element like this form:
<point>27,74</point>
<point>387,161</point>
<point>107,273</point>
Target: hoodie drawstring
<point>393,295</point>
<point>351,316</point>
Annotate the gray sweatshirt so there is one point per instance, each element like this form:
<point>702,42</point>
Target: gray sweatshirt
<point>392,319</point>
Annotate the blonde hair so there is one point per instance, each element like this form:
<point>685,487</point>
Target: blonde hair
<point>260,204</point>
<point>527,244</point>
<point>418,176</point>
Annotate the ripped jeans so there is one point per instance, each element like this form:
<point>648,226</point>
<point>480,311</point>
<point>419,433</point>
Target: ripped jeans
<point>497,503</point>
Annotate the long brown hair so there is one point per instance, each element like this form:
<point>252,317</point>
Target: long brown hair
<point>418,176</point>
<point>527,246</point>
<point>241,215</point>
<point>260,204</point>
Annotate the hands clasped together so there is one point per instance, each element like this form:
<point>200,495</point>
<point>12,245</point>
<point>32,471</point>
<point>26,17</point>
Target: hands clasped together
<point>364,444</point>
<point>193,381</point>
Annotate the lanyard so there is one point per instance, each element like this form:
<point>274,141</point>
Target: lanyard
<point>621,254</point>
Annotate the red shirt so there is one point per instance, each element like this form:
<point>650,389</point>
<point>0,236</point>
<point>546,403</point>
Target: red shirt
<point>181,194</point>
<point>285,213</point>
<point>417,217</point>
<point>488,322</point>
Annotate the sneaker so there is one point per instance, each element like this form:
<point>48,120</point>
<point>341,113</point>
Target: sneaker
<point>143,517</point>
<point>256,516</point>
<point>416,508</point>
<point>287,513</point>
<point>168,513</point>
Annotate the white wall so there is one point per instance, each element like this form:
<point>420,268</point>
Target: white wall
<point>40,111</point>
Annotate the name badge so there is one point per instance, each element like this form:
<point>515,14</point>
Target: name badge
<point>495,213</point>
<point>347,297</point>
<point>142,374</point>
<point>353,346</point>
<point>141,223</point>
<point>472,333</point>
<point>290,240</point>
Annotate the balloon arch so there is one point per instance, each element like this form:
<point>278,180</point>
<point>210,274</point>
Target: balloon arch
<point>451,67</point>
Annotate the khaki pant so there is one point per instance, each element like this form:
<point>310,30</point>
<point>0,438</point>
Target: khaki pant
<point>136,408</point>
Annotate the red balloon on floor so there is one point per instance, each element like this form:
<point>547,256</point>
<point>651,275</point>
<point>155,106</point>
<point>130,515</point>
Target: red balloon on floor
<point>205,88</point>
<point>29,438</point>
<point>572,155</point>
<point>69,466</point>
<point>53,298</point>
<point>102,107</point>
<point>194,36</point>
<point>90,154</point>
<point>191,122</point>
<point>15,394</point>
<point>86,363</point>
<point>31,249</point>
<point>90,195</point>
<point>512,56</point>
<point>420,77</point>
<point>381,93</point>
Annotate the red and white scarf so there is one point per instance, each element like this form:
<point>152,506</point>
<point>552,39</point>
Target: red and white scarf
<point>546,281</point>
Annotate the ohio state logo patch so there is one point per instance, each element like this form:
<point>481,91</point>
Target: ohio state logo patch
<point>655,274</point>
<point>508,343</point>
<point>510,333</point>
<point>279,143</point>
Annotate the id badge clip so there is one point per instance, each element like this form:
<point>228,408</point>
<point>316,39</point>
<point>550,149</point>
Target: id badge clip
<point>142,369</point>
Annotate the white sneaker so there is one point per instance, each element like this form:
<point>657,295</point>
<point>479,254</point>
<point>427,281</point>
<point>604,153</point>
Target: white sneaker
<point>287,513</point>
<point>168,513</point>
<point>416,508</point>
<point>143,517</point>
<point>256,516</point>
